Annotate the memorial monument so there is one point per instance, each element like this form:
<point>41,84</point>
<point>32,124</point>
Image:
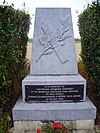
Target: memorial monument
<point>54,75</point>
<point>54,85</point>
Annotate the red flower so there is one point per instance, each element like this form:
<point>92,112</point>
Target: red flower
<point>57,125</point>
<point>38,130</point>
<point>66,130</point>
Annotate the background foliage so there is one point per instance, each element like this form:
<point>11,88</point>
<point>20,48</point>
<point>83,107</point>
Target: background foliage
<point>89,28</point>
<point>14,27</point>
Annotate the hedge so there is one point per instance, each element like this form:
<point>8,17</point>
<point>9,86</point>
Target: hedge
<point>14,27</point>
<point>89,29</point>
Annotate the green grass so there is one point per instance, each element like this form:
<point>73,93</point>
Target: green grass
<point>30,40</point>
<point>77,41</point>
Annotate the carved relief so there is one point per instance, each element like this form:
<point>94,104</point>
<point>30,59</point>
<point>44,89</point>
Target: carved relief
<point>52,40</point>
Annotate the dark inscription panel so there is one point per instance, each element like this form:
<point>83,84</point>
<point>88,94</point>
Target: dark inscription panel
<point>54,93</point>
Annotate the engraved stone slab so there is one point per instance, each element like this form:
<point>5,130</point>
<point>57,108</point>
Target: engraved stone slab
<point>53,50</point>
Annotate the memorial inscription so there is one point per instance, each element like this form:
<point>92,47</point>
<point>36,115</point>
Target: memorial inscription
<point>52,93</point>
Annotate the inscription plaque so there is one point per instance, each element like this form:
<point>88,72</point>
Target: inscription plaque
<point>54,93</point>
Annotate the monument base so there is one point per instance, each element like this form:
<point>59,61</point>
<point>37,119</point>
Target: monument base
<point>53,111</point>
<point>77,116</point>
<point>78,126</point>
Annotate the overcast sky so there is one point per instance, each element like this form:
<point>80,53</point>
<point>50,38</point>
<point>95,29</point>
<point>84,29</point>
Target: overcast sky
<point>75,5</point>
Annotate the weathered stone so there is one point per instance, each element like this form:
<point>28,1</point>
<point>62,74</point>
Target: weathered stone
<point>77,126</point>
<point>85,124</point>
<point>80,124</point>
<point>83,131</point>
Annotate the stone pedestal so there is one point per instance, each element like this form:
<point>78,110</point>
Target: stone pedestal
<point>53,111</point>
<point>54,88</point>
<point>77,116</point>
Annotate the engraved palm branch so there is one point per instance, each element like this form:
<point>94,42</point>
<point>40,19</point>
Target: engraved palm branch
<point>51,40</point>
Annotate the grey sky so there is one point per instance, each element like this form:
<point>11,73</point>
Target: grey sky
<point>75,5</point>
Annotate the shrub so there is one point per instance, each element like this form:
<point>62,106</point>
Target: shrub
<point>89,28</point>
<point>82,71</point>
<point>5,122</point>
<point>14,27</point>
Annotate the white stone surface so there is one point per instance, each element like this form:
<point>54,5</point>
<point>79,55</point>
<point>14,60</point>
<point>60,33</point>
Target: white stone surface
<point>54,111</point>
<point>85,124</point>
<point>80,124</point>
<point>54,80</point>
<point>83,131</point>
<point>53,50</point>
<point>33,125</point>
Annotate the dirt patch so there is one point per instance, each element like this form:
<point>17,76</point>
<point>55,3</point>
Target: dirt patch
<point>29,51</point>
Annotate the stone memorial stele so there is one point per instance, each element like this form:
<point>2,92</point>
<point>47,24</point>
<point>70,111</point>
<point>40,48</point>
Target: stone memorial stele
<point>53,51</point>
<point>53,75</point>
<point>53,90</point>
